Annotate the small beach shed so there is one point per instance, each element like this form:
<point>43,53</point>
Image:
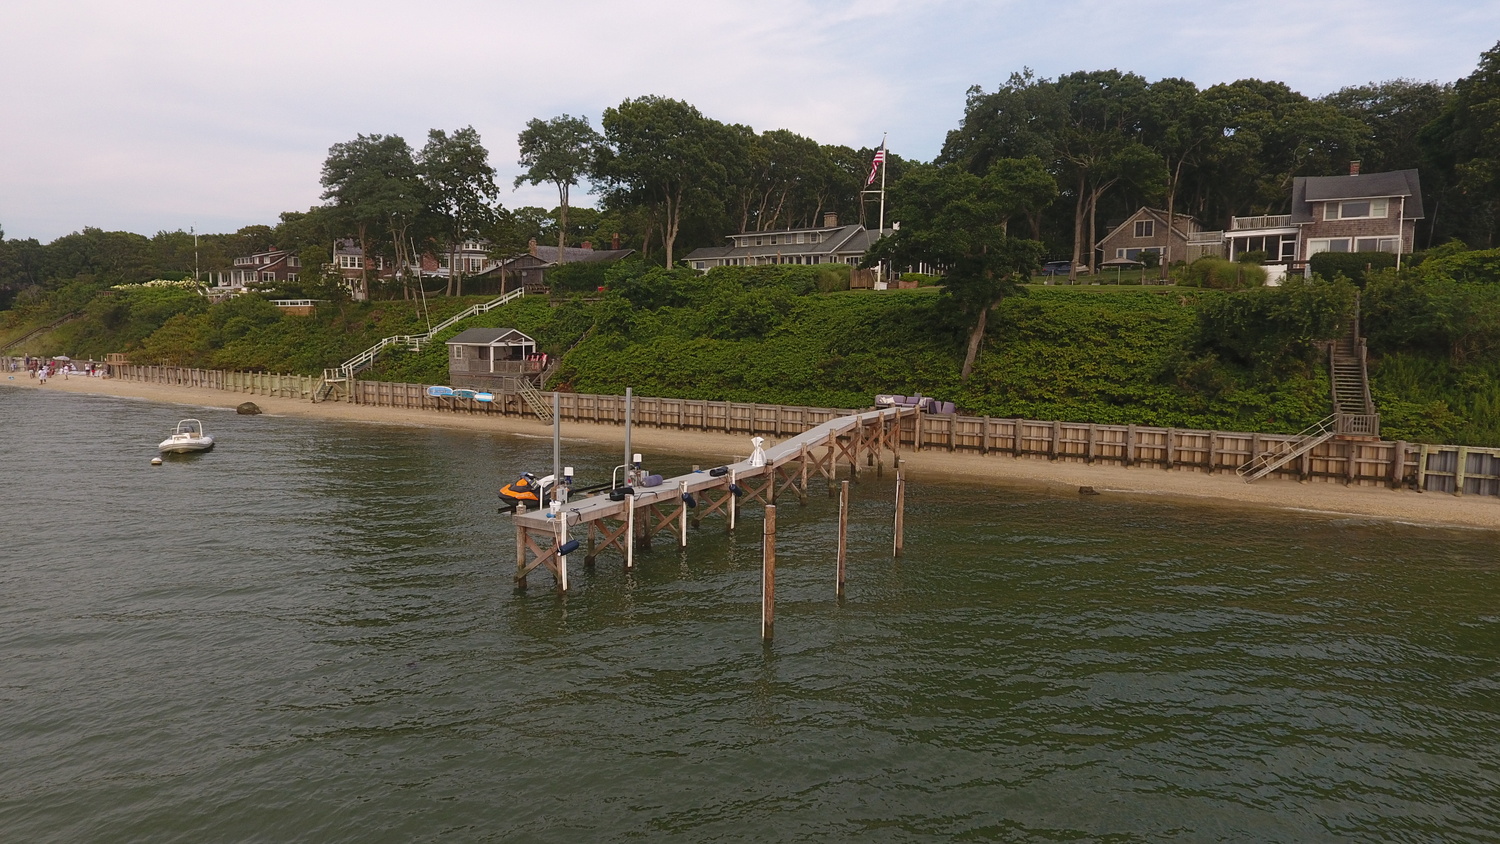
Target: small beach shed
<point>491,358</point>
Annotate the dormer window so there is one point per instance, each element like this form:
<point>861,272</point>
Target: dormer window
<point>1357,209</point>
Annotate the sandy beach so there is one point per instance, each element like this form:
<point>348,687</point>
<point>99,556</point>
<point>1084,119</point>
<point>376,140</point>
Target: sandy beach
<point>1043,476</point>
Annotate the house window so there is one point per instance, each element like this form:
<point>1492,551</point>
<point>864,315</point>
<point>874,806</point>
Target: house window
<point>267,276</point>
<point>1327,244</point>
<point>294,262</point>
<point>760,241</point>
<point>291,276</point>
<point>773,240</point>
<point>1145,228</point>
<point>458,352</point>
<point>1375,244</point>
<point>351,262</point>
<point>1356,209</point>
<point>801,238</point>
<point>698,265</point>
<point>815,237</point>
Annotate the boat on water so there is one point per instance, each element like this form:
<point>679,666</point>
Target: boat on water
<point>188,437</point>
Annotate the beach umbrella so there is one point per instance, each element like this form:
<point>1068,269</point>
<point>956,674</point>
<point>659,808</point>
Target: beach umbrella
<point>62,357</point>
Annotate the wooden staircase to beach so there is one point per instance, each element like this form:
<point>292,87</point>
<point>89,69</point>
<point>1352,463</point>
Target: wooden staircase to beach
<point>1353,415</point>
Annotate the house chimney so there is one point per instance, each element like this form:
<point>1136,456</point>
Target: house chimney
<point>614,242</point>
<point>1354,168</point>
<point>830,220</point>
<point>589,246</point>
<point>531,247</point>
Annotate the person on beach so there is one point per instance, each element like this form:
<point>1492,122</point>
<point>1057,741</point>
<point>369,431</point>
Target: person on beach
<point>42,375</point>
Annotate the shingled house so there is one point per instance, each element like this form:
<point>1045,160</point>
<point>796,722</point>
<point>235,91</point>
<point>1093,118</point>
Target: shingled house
<point>530,268</point>
<point>1373,212</point>
<point>1147,231</point>
<point>1377,212</point>
<point>829,243</point>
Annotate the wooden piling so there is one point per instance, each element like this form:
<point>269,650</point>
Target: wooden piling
<point>1398,464</point>
<point>768,574</point>
<point>733,502</point>
<point>520,557</point>
<point>562,560</point>
<point>843,537</point>
<point>900,526</point>
<point>683,520</point>
<point>629,532</point>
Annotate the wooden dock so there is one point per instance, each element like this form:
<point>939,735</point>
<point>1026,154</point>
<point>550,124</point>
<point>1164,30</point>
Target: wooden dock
<point>546,542</point>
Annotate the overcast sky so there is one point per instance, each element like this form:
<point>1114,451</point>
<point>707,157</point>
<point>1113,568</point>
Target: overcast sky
<point>158,115</point>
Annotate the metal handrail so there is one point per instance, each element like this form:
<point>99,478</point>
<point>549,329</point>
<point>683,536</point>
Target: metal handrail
<point>415,342</point>
<point>1268,461</point>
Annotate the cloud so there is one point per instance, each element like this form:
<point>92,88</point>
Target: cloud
<point>162,114</point>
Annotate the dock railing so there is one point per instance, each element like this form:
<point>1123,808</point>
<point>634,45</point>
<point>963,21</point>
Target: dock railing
<point>1358,461</point>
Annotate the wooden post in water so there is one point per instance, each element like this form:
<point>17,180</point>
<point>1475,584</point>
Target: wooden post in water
<point>900,512</point>
<point>768,574</point>
<point>520,557</point>
<point>683,520</point>
<point>562,560</point>
<point>629,532</point>
<point>1398,464</point>
<point>843,537</point>
<point>733,504</point>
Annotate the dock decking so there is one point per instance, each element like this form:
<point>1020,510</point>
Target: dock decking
<point>543,541</point>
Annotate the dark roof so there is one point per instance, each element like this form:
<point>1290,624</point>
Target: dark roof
<point>486,336</point>
<point>1396,183</point>
<point>576,254</point>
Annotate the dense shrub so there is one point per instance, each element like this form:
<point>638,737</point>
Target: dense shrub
<point>1218,274</point>
<point>1351,265</point>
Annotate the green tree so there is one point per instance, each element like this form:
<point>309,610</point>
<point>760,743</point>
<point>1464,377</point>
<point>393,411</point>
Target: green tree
<point>560,151</point>
<point>666,155</point>
<point>958,221</point>
<point>1464,143</point>
<point>1181,126</point>
<point>460,188</point>
<point>1272,134</point>
<point>373,183</point>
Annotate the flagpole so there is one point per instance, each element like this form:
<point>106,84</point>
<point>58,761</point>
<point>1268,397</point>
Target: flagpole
<point>883,154</point>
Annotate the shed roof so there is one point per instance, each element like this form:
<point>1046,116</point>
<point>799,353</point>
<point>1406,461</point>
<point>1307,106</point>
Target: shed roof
<point>489,337</point>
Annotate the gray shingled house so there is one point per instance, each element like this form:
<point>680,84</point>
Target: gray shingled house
<point>826,244</point>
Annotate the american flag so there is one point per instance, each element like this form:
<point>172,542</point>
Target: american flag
<point>875,166</point>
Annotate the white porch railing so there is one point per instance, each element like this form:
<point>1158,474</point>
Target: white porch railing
<point>1270,221</point>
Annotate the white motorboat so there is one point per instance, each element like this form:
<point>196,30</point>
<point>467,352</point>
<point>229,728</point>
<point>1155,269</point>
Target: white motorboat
<point>188,437</point>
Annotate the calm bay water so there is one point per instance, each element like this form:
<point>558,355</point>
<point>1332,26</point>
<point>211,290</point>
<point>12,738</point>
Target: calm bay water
<point>310,634</point>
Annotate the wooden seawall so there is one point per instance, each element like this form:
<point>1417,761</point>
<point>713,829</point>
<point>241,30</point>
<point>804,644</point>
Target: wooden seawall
<point>1463,470</point>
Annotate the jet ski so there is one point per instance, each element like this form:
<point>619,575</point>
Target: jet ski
<point>527,491</point>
